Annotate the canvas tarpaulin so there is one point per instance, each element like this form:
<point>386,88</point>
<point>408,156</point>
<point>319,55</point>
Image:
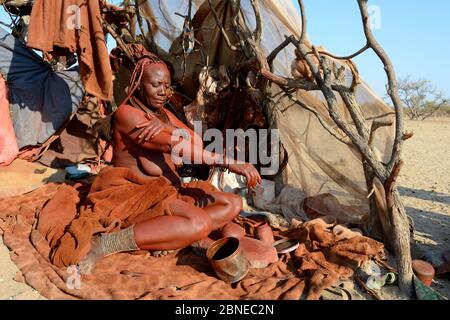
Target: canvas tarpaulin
<point>41,100</point>
<point>318,163</point>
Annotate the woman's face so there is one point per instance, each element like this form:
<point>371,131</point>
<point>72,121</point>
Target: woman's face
<point>156,85</point>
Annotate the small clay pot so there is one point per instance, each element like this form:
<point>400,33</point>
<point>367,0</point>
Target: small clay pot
<point>234,230</point>
<point>424,271</point>
<point>265,234</point>
<point>228,260</point>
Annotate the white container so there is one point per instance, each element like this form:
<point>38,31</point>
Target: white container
<point>263,194</point>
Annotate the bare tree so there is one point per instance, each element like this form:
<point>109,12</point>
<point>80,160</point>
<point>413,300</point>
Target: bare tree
<point>421,99</point>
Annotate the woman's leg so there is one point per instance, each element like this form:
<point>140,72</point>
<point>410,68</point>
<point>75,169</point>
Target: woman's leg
<point>187,224</point>
<point>222,208</point>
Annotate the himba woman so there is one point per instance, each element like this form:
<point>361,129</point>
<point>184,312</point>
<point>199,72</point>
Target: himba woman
<point>153,209</point>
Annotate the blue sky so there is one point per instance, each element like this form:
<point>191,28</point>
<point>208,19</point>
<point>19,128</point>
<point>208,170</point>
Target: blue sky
<point>414,33</point>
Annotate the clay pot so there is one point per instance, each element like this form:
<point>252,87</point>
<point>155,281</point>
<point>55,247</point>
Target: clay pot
<point>228,260</point>
<point>265,234</point>
<point>259,253</point>
<point>234,230</point>
<point>424,271</point>
<point>263,194</point>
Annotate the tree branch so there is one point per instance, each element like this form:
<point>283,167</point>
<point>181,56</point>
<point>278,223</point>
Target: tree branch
<point>356,113</point>
<point>327,90</point>
<point>259,26</point>
<point>139,19</point>
<point>375,126</point>
<point>271,57</point>
<point>319,117</point>
<point>304,20</point>
<point>357,53</point>
<point>392,83</point>
<point>118,39</point>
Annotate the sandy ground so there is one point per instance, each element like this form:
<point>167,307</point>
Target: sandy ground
<point>10,289</point>
<point>424,184</point>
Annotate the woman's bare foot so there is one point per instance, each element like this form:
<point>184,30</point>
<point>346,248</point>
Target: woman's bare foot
<point>87,265</point>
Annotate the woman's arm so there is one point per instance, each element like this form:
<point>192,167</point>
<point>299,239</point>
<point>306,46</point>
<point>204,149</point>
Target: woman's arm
<point>188,150</point>
<point>152,127</point>
<point>128,118</point>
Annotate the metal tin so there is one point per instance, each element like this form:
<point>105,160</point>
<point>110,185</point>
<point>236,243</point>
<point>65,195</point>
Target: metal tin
<point>228,260</point>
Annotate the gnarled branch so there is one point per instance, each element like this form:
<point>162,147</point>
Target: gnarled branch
<point>392,84</point>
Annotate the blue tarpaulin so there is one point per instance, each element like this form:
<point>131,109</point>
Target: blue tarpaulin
<point>41,99</point>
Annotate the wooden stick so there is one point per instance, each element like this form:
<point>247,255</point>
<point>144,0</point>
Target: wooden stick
<point>119,40</point>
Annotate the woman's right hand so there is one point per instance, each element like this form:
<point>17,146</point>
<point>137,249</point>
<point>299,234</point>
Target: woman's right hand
<point>249,171</point>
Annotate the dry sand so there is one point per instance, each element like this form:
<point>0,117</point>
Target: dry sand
<point>424,184</point>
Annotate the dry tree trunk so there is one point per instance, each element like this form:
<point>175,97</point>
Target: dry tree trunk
<point>397,213</point>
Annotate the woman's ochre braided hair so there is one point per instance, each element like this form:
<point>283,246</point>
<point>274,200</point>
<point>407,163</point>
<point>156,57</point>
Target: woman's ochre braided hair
<point>103,127</point>
<point>141,66</point>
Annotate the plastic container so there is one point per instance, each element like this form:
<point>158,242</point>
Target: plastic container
<point>265,234</point>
